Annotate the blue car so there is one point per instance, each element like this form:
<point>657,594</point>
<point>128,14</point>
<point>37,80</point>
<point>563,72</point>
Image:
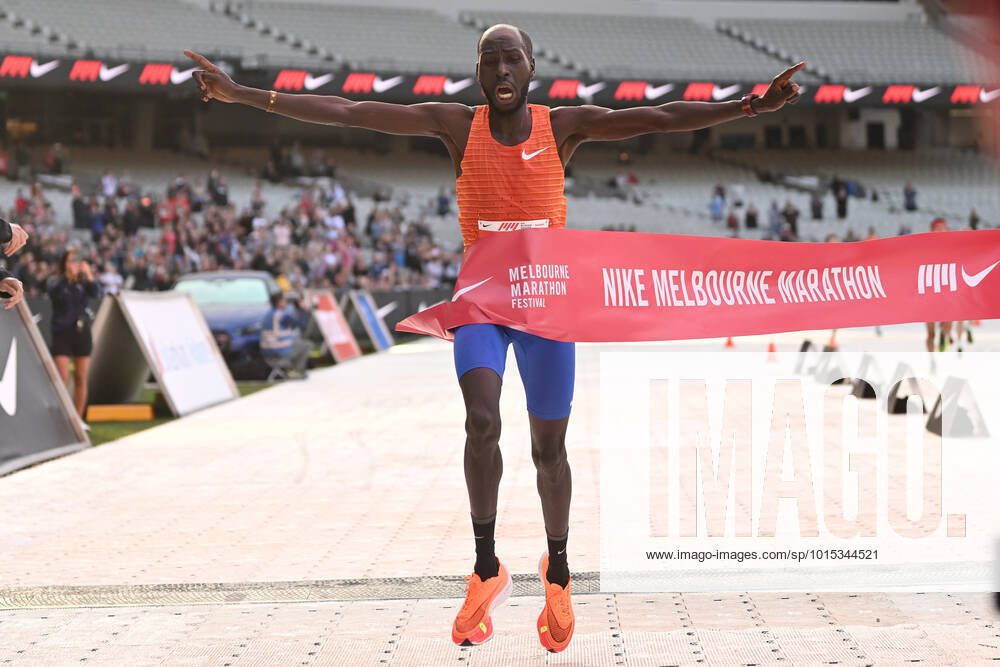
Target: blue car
<point>233,304</point>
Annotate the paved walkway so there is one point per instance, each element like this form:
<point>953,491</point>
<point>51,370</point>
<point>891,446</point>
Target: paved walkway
<point>326,522</point>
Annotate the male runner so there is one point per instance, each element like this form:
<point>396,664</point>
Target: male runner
<point>509,159</point>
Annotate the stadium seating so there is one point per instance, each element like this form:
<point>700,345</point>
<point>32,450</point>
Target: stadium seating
<point>139,31</point>
<point>948,182</point>
<point>313,35</point>
<point>20,35</point>
<point>654,47</point>
<point>880,52</point>
<point>406,40</point>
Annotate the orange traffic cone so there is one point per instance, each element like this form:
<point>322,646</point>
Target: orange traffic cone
<point>772,353</point>
<point>729,342</point>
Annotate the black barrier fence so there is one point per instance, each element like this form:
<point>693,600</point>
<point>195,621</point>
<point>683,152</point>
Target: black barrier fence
<point>407,303</point>
<point>396,306</point>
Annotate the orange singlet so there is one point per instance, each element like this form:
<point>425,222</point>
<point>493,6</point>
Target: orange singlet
<point>505,188</point>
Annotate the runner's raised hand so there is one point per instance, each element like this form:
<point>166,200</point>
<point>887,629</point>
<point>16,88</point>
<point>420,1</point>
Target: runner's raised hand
<point>212,81</point>
<point>782,90</point>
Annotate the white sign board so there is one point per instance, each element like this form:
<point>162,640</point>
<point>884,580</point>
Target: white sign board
<point>176,343</point>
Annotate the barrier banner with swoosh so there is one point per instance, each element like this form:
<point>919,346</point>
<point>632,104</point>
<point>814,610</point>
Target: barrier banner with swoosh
<point>37,418</point>
<point>576,285</point>
<point>26,70</point>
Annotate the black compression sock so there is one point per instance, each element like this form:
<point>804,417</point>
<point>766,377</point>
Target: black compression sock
<point>486,559</point>
<point>558,572</point>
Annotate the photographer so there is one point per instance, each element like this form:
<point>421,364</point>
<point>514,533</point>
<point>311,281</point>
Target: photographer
<point>70,293</point>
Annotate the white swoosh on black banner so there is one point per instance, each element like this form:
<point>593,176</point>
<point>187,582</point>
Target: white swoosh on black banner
<point>988,96</point>
<point>977,278</point>
<point>468,289</point>
<point>924,95</point>
<point>855,95</point>
<point>108,73</point>
<point>586,92</point>
<point>178,77</point>
<point>8,383</point>
<point>38,69</point>
<point>380,86</point>
<point>314,82</point>
<point>386,309</point>
<point>719,93</point>
<point>654,92</point>
<point>452,87</point>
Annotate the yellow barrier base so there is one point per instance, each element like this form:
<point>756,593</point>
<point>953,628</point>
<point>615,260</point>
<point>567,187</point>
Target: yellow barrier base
<point>120,413</point>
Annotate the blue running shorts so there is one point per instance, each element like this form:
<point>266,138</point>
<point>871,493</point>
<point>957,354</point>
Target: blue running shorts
<point>547,367</point>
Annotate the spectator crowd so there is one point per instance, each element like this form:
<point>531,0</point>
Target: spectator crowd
<point>142,239</point>
<point>782,221</point>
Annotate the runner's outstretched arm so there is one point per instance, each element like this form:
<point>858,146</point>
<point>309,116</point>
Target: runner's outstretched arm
<point>427,119</point>
<point>574,125</point>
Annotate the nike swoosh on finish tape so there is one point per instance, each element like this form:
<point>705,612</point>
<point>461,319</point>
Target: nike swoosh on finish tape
<point>855,95</point>
<point>977,278</point>
<point>38,69</point>
<point>314,82</point>
<point>108,73</point>
<point>8,383</point>
<point>469,289</point>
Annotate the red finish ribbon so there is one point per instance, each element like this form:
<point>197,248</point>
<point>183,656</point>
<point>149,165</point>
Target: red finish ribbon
<point>575,285</point>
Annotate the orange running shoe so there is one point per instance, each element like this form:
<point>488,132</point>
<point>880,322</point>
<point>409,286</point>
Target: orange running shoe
<point>556,622</point>
<point>474,624</point>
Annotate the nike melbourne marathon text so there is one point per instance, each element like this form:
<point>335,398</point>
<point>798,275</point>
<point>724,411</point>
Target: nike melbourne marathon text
<point>529,283</point>
<point>675,287</point>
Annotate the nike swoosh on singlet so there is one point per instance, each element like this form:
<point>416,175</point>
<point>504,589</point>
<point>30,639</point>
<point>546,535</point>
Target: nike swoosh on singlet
<point>468,289</point>
<point>528,156</point>
<point>977,278</point>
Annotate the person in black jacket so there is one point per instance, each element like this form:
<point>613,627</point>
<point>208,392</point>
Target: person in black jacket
<point>70,293</point>
<point>12,238</point>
